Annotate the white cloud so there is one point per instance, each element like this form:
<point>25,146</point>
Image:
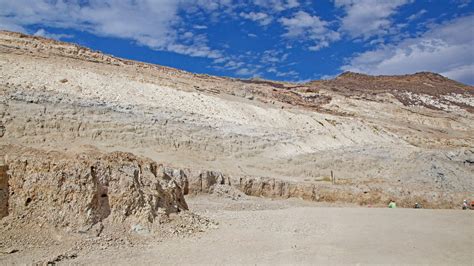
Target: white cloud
<point>251,64</point>
<point>247,72</point>
<point>445,48</point>
<point>44,33</point>
<point>292,3</point>
<point>290,75</point>
<point>8,24</point>
<point>463,73</point>
<point>200,27</point>
<point>273,57</point>
<point>272,70</point>
<point>277,5</point>
<point>260,17</point>
<point>188,35</point>
<point>417,15</point>
<point>148,22</point>
<point>307,27</point>
<point>209,5</point>
<point>462,3</point>
<point>231,64</point>
<point>367,18</point>
<point>219,60</point>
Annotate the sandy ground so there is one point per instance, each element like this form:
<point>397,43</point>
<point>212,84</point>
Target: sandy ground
<point>262,231</point>
<point>324,235</point>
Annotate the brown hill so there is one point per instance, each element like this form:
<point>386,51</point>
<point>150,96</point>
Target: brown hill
<point>423,82</point>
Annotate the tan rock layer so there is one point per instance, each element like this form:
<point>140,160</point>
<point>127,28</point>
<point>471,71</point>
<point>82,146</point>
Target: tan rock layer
<point>91,190</point>
<point>369,192</point>
<point>81,191</point>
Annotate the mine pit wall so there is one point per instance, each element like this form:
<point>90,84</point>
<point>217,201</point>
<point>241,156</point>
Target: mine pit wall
<point>4,191</point>
<point>343,191</point>
<point>39,119</point>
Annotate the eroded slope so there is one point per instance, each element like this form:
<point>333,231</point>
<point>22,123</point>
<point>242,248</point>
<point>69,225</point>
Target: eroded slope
<point>58,96</point>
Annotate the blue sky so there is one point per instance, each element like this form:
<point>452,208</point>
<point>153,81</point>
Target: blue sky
<point>291,40</point>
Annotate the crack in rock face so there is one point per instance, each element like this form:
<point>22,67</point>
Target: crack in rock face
<point>4,191</point>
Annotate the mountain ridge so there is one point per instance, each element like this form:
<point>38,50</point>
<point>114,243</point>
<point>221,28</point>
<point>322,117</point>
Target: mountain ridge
<point>347,74</point>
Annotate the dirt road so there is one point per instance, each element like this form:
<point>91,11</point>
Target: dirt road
<point>280,232</point>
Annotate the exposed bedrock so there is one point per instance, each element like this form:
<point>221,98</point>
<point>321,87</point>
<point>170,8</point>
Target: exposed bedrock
<point>86,189</point>
<point>363,192</point>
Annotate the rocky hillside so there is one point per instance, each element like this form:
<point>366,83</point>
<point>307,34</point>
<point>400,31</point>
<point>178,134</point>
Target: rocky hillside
<point>427,89</point>
<point>95,123</point>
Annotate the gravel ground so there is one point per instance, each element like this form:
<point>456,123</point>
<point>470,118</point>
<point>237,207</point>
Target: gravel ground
<point>261,231</point>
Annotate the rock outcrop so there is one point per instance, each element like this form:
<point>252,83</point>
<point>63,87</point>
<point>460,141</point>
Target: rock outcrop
<point>80,191</point>
<point>204,181</point>
<point>362,192</point>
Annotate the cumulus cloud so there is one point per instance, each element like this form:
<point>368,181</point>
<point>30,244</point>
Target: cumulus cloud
<point>367,18</point>
<point>253,64</point>
<point>260,17</point>
<point>445,48</point>
<point>274,60</point>
<point>307,27</point>
<point>273,57</point>
<point>148,22</point>
<point>200,27</point>
<point>233,64</point>
<point>44,33</point>
<point>277,5</point>
<point>209,5</point>
<point>246,72</point>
